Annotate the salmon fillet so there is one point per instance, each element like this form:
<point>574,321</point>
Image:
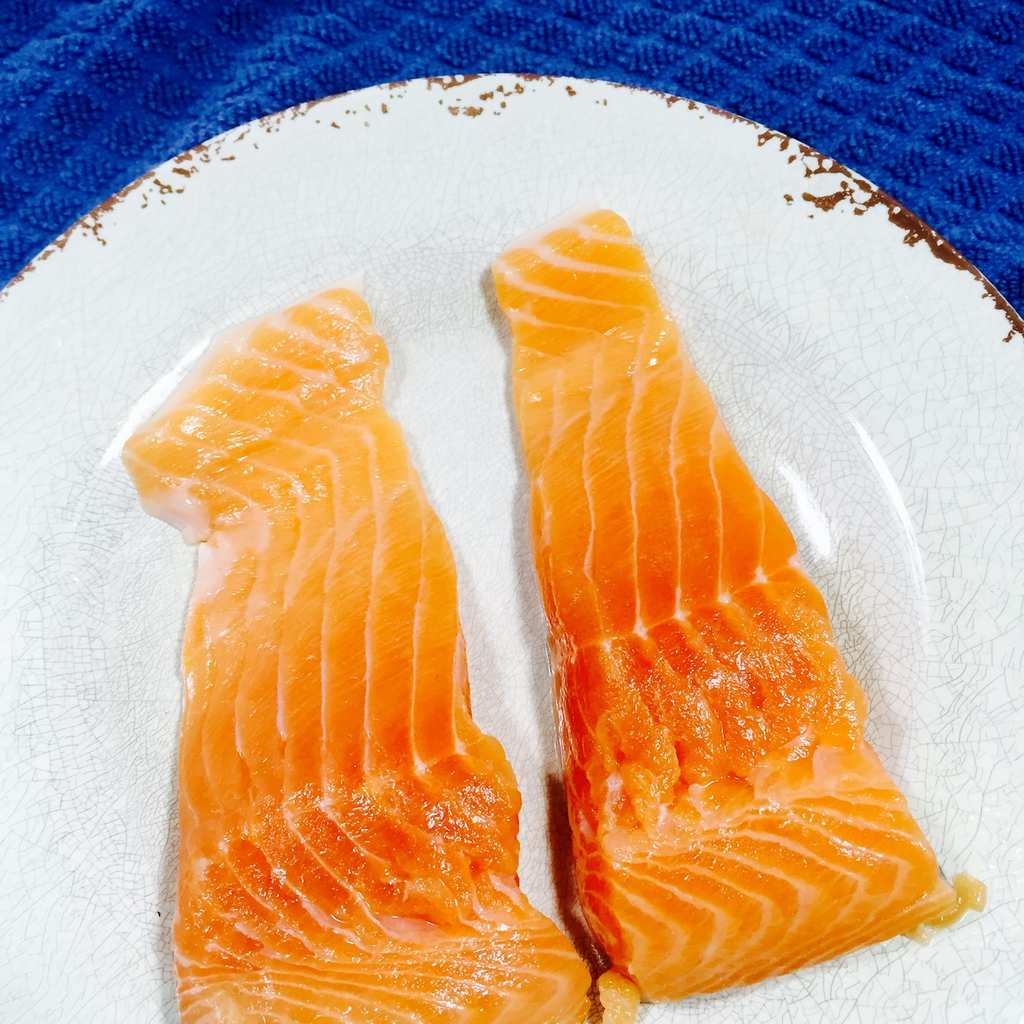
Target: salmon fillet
<point>348,834</point>
<point>729,820</point>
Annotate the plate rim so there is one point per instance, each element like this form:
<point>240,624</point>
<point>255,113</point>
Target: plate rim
<point>124,225</point>
<point>915,228</point>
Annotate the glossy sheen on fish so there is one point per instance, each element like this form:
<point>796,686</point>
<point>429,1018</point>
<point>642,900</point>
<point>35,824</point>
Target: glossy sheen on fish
<point>729,820</point>
<point>348,835</point>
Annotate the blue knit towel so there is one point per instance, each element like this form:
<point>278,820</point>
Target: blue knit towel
<point>925,97</point>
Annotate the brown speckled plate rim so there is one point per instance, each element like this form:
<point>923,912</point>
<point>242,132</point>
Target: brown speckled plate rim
<point>859,192</point>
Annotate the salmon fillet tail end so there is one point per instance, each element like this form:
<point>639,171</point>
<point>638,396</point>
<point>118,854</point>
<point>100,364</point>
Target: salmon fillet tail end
<point>729,820</point>
<point>348,835</point>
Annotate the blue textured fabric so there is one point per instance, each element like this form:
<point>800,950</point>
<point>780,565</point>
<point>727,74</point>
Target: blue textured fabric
<point>925,97</point>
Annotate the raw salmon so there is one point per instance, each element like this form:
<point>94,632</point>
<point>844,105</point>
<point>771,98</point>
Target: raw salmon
<point>348,834</point>
<point>729,820</point>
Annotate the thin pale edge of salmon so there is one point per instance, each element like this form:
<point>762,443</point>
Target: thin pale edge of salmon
<point>620,998</point>
<point>971,894</point>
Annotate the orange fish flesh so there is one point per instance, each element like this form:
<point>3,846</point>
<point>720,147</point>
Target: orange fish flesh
<point>729,820</point>
<point>348,834</point>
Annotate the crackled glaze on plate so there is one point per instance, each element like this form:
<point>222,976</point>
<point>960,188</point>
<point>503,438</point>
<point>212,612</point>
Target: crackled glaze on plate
<point>870,378</point>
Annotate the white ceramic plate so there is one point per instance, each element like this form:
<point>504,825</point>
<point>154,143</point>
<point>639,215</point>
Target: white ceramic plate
<point>872,379</point>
